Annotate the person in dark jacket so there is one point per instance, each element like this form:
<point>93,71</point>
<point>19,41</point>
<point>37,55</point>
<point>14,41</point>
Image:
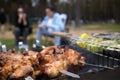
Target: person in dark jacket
<point>21,26</point>
<point>2,20</point>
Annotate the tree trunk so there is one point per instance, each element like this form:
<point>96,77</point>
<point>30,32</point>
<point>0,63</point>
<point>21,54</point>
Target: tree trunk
<point>77,13</point>
<point>70,10</point>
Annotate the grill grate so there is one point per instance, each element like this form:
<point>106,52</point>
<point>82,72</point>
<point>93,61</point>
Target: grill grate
<point>94,61</point>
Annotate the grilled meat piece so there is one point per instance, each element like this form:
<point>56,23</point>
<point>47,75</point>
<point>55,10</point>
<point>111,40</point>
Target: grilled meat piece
<point>56,58</point>
<point>50,61</point>
<point>14,65</point>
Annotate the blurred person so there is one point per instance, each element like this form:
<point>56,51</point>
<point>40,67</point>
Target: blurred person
<point>21,26</point>
<point>2,20</point>
<point>52,22</point>
<point>64,18</point>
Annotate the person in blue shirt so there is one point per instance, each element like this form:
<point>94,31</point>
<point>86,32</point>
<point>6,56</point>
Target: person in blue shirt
<point>52,22</point>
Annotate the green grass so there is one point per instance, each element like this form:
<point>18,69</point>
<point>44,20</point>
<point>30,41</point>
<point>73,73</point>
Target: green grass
<point>109,27</point>
<point>10,43</point>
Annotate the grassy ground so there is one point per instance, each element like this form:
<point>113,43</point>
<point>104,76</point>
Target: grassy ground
<point>8,37</point>
<point>109,27</point>
<point>10,43</point>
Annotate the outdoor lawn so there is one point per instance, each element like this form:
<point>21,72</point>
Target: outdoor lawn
<point>108,27</point>
<point>8,37</point>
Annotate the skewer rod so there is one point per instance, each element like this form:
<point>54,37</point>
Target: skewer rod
<point>96,65</point>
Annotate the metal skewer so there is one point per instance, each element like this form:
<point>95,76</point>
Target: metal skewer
<point>29,78</point>
<point>96,65</point>
<point>69,74</point>
<point>106,56</point>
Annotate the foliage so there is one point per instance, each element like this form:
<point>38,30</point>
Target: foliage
<point>90,10</point>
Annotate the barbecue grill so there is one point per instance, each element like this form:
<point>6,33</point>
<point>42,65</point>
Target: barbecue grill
<point>99,66</point>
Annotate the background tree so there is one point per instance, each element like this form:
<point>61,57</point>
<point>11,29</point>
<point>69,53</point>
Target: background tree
<point>86,10</point>
<point>77,13</point>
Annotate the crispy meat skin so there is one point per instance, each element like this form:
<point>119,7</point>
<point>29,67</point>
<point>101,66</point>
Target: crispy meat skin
<point>56,58</point>
<point>17,65</point>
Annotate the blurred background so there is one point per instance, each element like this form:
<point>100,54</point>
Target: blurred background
<point>80,11</point>
<point>83,16</point>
